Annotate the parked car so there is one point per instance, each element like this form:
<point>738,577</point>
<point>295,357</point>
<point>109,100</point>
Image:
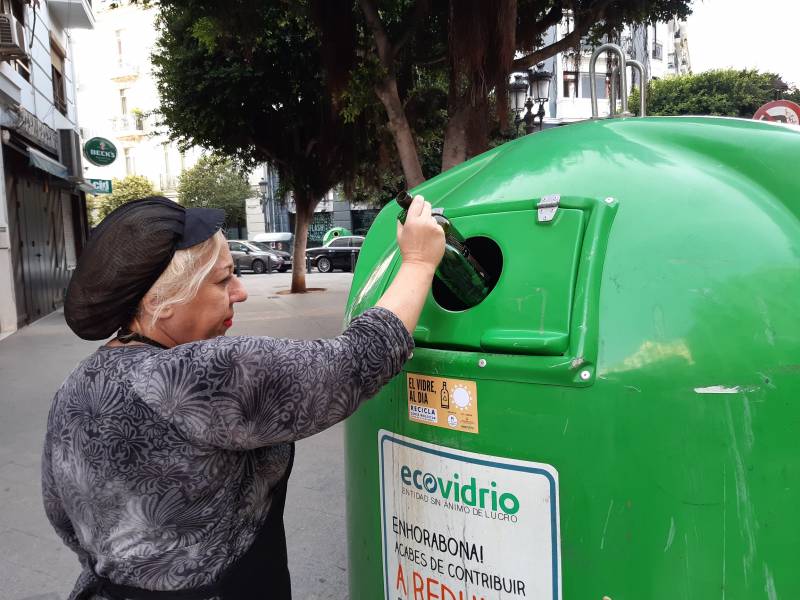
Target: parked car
<point>250,256</point>
<point>340,253</point>
<point>267,247</point>
<point>276,240</point>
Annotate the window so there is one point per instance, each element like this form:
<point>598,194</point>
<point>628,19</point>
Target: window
<point>123,101</point>
<point>570,84</point>
<point>236,247</point>
<point>118,35</point>
<point>340,243</point>
<point>658,51</point>
<point>57,60</point>
<point>356,242</point>
<point>602,81</point>
<point>17,8</point>
<point>130,165</point>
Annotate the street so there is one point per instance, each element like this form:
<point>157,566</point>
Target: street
<point>34,563</point>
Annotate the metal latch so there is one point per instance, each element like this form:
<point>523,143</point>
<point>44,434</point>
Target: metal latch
<point>548,206</point>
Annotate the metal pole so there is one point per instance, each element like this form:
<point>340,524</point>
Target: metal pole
<point>635,64</point>
<point>623,76</point>
<point>529,118</point>
<point>238,268</point>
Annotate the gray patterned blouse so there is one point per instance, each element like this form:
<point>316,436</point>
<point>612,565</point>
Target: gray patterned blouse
<point>159,465</point>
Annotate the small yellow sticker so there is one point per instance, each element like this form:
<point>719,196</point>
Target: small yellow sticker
<point>448,403</point>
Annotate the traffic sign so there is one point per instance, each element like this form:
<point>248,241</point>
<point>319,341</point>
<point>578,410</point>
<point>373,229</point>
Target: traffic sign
<point>781,111</point>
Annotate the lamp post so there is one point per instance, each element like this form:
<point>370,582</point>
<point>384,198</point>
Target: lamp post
<point>517,90</point>
<point>262,187</point>
<point>525,92</point>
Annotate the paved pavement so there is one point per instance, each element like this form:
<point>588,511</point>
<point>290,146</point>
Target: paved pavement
<point>35,565</point>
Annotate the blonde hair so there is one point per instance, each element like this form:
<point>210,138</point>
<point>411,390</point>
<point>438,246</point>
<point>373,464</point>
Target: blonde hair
<point>181,280</point>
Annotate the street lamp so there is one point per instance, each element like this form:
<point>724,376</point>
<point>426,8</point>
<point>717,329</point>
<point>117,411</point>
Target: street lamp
<point>517,90</point>
<point>536,84</point>
<point>262,187</point>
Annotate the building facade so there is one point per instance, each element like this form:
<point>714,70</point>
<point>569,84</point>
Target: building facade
<point>663,49</point>
<point>42,202</point>
<point>118,97</point>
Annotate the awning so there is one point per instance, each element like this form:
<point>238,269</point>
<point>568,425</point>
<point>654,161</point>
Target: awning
<point>47,164</point>
<point>83,185</point>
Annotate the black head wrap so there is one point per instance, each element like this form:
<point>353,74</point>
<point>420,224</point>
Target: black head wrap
<point>124,257</point>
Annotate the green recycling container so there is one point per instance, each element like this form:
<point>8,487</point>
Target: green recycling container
<point>620,417</point>
<point>334,233</point>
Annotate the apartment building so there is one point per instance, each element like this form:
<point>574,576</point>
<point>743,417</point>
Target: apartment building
<point>118,97</point>
<point>663,49</point>
<point>42,204</point>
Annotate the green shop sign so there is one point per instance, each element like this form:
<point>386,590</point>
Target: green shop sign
<point>99,151</point>
<point>101,186</point>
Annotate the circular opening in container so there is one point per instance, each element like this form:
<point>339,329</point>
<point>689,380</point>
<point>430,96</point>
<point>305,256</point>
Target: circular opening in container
<point>488,254</point>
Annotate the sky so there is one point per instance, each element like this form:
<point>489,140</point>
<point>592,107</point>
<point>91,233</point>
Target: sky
<point>746,34</point>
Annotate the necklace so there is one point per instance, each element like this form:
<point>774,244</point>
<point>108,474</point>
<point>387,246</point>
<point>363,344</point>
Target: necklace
<point>125,336</point>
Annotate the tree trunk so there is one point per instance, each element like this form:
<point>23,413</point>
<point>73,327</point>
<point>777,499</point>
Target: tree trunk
<point>467,131</point>
<point>401,131</point>
<point>454,148</point>
<point>304,207</point>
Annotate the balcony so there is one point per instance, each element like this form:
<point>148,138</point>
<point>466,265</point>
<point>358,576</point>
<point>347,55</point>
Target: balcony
<point>72,14</point>
<point>128,126</point>
<point>658,51</point>
<point>168,183</point>
<point>124,71</point>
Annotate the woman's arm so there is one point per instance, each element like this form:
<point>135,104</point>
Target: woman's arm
<point>421,242</point>
<point>247,392</point>
<point>53,506</point>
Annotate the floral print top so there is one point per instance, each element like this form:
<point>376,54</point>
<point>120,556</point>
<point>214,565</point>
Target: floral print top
<point>159,465</point>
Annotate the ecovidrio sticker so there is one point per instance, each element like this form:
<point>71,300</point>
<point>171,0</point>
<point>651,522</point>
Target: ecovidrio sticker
<point>465,526</point>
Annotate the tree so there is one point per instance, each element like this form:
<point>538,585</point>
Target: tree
<point>216,182</point>
<point>478,43</point>
<point>316,87</point>
<point>132,187</point>
<point>254,82</point>
<point>725,92</point>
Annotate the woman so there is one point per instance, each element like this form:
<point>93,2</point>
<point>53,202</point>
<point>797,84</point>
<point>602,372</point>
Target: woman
<point>168,450</point>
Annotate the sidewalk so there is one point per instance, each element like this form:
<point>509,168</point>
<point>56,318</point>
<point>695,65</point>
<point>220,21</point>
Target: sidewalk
<point>35,565</point>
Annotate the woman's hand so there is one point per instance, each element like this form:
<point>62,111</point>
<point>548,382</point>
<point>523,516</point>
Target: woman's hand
<point>421,242</point>
<point>421,239</point>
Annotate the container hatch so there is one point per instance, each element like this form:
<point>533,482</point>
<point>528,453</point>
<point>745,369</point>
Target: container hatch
<point>529,309</point>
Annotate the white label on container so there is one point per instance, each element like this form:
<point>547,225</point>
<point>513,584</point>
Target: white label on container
<point>458,525</point>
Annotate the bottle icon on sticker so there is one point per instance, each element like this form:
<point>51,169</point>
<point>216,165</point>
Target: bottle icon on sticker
<point>445,396</point>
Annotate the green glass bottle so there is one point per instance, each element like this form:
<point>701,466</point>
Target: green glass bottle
<point>459,270</point>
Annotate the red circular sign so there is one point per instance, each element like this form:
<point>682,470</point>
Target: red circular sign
<point>781,111</point>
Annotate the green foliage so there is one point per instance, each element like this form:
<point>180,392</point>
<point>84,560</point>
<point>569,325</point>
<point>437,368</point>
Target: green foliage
<point>248,82</point>
<point>793,95</point>
<point>216,182</point>
<point>725,92</point>
<point>132,187</point>
<point>293,83</point>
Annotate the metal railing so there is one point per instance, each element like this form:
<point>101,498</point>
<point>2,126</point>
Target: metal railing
<point>620,73</point>
<point>128,123</point>
<point>658,51</point>
<point>623,75</point>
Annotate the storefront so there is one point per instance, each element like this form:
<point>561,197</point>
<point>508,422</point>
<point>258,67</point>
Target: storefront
<point>46,211</point>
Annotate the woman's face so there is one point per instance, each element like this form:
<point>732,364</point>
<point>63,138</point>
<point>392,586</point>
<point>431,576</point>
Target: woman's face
<point>210,312</point>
